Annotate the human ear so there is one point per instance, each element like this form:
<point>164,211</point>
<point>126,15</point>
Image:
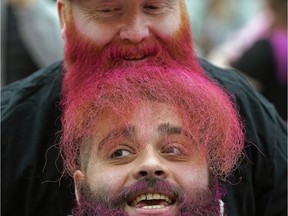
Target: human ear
<point>78,177</point>
<point>62,18</point>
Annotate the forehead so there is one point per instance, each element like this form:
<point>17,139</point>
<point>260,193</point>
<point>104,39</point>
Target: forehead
<point>145,115</point>
<point>129,3</point>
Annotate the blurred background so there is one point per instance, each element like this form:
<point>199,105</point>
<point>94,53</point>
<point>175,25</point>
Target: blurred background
<point>212,21</point>
<point>30,37</point>
<point>250,36</point>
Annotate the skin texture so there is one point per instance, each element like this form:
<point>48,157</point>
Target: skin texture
<point>133,21</point>
<point>134,25</point>
<point>148,152</point>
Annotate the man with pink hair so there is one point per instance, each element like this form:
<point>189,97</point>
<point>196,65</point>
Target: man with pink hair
<point>139,119</point>
<point>163,137</point>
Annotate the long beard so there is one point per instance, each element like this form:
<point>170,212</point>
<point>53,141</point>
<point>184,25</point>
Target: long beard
<point>86,62</point>
<point>201,203</point>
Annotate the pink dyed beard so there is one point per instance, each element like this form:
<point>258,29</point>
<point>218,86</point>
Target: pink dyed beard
<point>85,61</point>
<point>205,202</point>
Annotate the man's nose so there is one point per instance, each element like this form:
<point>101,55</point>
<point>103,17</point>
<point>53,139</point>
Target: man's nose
<point>135,29</point>
<point>150,166</point>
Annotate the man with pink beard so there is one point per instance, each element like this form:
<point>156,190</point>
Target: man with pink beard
<point>101,38</point>
<point>161,137</point>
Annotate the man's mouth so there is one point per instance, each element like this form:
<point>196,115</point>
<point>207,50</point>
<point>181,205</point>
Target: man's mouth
<point>151,201</point>
<point>138,57</point>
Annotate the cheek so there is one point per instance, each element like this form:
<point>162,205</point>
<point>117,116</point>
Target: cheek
<point>100,33</point>
<point>192,177</point>
<point>167,28</point>
<point>103,178</point>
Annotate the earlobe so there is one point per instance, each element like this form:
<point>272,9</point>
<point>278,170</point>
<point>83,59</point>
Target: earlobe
<point>78,179</point>
<point>61,14</point>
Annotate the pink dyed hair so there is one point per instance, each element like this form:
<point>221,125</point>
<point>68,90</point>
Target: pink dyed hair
<point>205,109</point>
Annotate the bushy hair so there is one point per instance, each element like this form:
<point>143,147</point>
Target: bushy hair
<point>205,109</point>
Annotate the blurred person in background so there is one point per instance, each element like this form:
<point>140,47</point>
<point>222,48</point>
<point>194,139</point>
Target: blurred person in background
<point>31,38</point>
<point>213,20</point>
<point>266,60</point>
<point>259,50</point>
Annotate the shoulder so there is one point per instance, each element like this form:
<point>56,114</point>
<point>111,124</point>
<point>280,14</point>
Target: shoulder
<point>262,121</point>
<point>43,85</point>
<point>31,126</point>
<point>230,79</point>
<point>236,84</point>
<point>265,149</point>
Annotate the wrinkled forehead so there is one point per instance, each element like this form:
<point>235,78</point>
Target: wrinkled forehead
<point>140,113</point>
<point>140,1</point>
<point>181,2</point>
<point>88,4</point>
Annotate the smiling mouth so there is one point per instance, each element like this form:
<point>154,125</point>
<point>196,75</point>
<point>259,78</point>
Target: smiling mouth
<point>135,57</point>
<point>151,201</point>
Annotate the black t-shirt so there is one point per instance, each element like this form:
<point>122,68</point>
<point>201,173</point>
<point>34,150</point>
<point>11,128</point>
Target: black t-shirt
<point>33,182</point>
<point>259,63</point>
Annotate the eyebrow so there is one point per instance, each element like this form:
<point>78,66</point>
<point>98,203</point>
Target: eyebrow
<point>167,128</point>
<point>128,131</point>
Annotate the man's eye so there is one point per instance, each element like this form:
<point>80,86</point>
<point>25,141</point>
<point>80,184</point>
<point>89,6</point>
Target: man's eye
<point>172,151</point>
<point>151,7</point>
<point>155,8</point>
<point>120,153</point>
<point>108,11</point>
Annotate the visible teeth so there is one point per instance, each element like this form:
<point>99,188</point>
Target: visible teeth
<point>156,196</point>
<point>138,199</point>
<point>168,199</point>
<point>151,196</point>
<point>153,207</point>
<point>143,197</point>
